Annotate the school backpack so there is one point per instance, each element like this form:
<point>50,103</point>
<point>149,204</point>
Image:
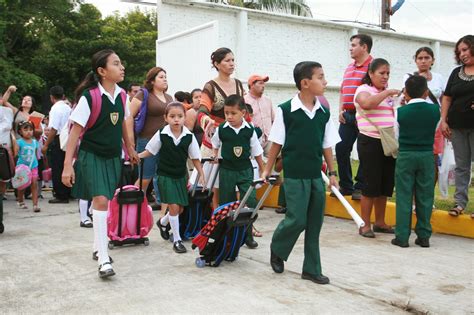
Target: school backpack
<point>141,116</point>
<point>96,107</point>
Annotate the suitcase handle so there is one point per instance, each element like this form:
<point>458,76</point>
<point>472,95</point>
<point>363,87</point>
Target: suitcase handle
<point>271,180</point>
<point>206,160</point>
<point>122,175</point>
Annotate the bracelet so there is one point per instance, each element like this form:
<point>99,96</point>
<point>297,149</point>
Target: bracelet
<point>332,173</point>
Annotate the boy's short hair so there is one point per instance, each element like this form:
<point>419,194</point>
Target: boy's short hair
<point>416,86</point>
<point>57,92</point>
<point>304,70</point>
<point>131,85</point>
<point>235,100</point>
<point>249,108</point>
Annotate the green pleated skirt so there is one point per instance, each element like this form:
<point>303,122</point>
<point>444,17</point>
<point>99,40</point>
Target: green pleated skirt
<point>173,190</point>
<point>95,176</point>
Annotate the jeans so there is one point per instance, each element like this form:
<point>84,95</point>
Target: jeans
<point>463,146</point>
<point>348,133</point>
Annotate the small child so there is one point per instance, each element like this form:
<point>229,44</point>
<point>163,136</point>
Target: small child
<point>238,142</point>
<point>304,131</point>
<point>27,150</point>
<point>175,143</point>
<point>414,168</point>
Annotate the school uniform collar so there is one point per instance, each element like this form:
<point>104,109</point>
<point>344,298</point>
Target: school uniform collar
<point>416,100</point>
<point>245,124</point>
<point>117,90</point>
<point>297,104</point>
<point>167,131</point>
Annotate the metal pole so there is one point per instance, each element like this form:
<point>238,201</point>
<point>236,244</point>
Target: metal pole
<point>385,14</point>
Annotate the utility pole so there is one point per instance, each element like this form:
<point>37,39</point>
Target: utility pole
<point>385,23</point>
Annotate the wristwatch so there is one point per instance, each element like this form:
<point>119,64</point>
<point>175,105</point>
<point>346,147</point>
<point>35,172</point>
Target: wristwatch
<point>332,173</point>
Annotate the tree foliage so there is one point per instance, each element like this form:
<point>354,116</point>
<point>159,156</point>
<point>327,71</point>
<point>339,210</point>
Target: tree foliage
<point>44,43</point>
<point>295,7</point>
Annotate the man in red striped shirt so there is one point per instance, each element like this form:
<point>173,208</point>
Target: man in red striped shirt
<point>361,45</point>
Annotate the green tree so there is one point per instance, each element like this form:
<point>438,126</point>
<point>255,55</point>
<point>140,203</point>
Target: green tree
<point>295,7</point>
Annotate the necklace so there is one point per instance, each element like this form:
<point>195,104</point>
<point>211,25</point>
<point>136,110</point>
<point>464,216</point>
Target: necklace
<point>465,77</point>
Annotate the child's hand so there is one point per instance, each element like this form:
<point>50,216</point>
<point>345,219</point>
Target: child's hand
<point>215,159</point>
<point>333,182</point>
<point>68,177</point>
<point>264,175</point>
<point>133,156</point>
<point>202,180</point>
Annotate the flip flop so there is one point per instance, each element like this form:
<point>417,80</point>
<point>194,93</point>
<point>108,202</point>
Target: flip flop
<point>455,211</point>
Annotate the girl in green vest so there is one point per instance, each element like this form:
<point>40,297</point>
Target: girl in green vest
<point>237,141</point>
<point>175,143</point>
<point>97,168</point>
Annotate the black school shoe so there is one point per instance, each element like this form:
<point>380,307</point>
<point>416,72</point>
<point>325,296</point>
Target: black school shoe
<point>281,210</point>
<point>316,279</point>
<point>56,200</point>
<point>397,242</point>
<point>164,230</point>
<point>423,242</point>
<point>96,257</point>
<point>106,273</point>
<point>86,224</point>
<point>178,247</point>
<point>276,262</point>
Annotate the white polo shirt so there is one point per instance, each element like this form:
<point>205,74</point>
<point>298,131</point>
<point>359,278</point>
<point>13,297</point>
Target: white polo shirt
<point>255,147</point>
<point>6,121</point>
<point>278,132</point>
<point>154,145</point>
<point>58,116</point>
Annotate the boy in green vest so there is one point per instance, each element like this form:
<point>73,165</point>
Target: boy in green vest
<point>238,142</point>
<point>414,169</point>
<point>304,131</point>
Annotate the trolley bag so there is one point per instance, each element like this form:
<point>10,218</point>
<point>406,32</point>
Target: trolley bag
<point>7,166</point>
<point>199,210</point>
<point>224,234</point>
<point>130,218</point>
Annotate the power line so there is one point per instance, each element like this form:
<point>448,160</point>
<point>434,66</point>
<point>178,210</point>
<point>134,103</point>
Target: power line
<point>429,18</point>
<point>363,2</point>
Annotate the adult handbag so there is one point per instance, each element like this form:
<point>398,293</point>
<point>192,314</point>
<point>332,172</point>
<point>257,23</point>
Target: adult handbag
<point>387,138</point>
<point>141,116</point>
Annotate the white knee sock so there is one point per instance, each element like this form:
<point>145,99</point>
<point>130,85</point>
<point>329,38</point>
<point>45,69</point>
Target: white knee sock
<point>83,208</point>
<point>100,233</point>
<point>174,222</point>
<point>165,220</point>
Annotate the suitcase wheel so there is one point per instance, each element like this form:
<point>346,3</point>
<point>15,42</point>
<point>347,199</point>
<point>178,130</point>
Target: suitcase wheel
<point>111,245</point>
<point>146,242</point>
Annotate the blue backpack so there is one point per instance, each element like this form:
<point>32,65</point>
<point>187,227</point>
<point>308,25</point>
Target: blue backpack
<point>141,116</point>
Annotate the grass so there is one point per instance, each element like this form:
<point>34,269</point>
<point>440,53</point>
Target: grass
<point>440,202</point>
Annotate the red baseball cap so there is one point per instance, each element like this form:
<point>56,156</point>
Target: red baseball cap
<point>255,77</point>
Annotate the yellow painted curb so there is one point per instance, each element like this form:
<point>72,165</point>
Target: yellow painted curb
<point>441,221</point>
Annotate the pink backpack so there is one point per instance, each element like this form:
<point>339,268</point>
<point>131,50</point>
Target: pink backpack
<point>124,199</point>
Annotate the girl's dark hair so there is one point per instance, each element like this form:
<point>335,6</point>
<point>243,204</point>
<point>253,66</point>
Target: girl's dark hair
<point>23,125</point>
<point>99,60</point>
<point>219,55</point>
<point>33,103</point>
<point>469,41</point>
<point>195,91</point>
<point>182,96</point>
<point>174,105</point>
<point>235,100</point>
<point>150,77</point>
<point>428,50</point>
<point>373,66</point>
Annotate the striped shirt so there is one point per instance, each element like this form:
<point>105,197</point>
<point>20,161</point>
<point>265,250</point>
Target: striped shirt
<point>382,116</point>
<point>352,79</point>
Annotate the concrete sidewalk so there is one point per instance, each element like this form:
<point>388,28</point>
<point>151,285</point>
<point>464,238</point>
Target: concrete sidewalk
<point>46,267</point>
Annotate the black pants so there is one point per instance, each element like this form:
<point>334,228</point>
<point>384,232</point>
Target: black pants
<point>57,166</point>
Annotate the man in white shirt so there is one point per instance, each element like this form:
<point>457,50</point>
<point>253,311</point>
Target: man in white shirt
<point>58,117</point>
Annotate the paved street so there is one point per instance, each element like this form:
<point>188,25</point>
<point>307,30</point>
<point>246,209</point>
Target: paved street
<point>46,267</point>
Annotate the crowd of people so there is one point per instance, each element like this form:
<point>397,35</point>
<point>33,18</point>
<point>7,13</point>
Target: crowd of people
<point>223,121</point>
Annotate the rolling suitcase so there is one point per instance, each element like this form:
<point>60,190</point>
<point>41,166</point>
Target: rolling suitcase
<point>129,218</point>
<point>224,234</point>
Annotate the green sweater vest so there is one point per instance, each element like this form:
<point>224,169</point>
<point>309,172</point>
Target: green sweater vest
<point>303,148</point>
<point>172,158</point>
<point>235,149</point>
<point>104,139</point>
<point>417,123</point>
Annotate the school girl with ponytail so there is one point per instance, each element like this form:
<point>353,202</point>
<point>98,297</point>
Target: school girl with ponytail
<point>97,168</point>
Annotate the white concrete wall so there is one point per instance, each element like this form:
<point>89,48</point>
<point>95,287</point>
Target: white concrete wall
<point>271,44</point>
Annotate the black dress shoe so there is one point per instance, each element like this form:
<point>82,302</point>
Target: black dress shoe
<point>56,200</point>
<point>316,279</point>
<point>276,262</point>
<point>178,247</point>
<point>423,242</point>
<point>86,224</point>
<point>397,242</point>
<point>281,210</point>
<point>107,272</point>
<point>96,257</point>
<point>251,243</point>
<point>164,230</point>
<point>387,230</point>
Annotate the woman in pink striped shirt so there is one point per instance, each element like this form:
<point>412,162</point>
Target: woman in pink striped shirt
<point>374,101</point>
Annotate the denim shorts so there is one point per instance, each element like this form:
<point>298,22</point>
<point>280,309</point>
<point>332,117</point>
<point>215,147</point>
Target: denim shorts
<point>149,166</point>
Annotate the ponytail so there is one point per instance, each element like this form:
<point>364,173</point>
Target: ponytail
<point>92,79</point>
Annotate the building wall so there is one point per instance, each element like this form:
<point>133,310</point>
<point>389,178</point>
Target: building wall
<point>271,44</point>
